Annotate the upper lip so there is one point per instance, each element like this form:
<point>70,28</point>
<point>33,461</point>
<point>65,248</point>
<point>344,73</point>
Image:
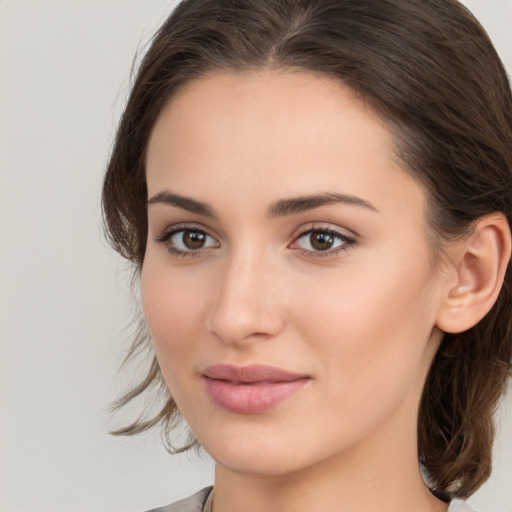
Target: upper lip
<point>250,373</point>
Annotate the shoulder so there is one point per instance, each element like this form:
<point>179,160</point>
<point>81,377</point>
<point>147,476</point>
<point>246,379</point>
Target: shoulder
<point>194,503</point>
<point>460,506</point>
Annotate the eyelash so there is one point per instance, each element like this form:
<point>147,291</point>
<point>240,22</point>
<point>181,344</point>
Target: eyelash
<point>347,241</point>
<point>166,236</point>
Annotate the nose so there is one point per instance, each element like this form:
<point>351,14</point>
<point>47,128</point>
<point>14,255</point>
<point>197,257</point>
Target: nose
<point>247,306</point>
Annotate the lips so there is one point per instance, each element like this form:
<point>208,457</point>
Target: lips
<point>250,389</point>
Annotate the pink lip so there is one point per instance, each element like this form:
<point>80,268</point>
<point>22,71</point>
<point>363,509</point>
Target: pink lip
<point>250,389</point>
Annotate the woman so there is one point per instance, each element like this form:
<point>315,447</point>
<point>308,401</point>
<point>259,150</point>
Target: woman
<point>317,198</point>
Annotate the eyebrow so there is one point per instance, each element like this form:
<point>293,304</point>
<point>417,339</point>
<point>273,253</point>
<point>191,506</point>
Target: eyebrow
<point>185,203</point>
<point>281,208</point>
<point>302,204</point>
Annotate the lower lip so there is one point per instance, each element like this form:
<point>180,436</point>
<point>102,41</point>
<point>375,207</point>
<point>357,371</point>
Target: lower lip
<point>251,398</point>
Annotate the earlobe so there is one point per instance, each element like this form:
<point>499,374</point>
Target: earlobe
<point>479,264</point>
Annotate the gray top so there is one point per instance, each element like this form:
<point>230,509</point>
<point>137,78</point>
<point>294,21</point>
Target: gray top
<point>194,503</point>
<point>201,502</point>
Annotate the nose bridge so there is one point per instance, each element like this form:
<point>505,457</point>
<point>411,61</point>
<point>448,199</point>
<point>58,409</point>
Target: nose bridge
<point>246,302</point>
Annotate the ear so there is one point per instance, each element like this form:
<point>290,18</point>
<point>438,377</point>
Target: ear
<point>478,266</point>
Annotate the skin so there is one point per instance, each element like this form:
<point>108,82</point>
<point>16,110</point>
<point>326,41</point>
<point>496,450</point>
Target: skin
<point>359,321</point>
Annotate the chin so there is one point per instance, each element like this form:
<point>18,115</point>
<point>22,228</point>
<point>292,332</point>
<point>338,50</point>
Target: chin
<point>263,464</point>
<point>265,452</point>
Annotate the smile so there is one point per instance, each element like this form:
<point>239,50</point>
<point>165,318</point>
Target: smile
<point>250,389</point>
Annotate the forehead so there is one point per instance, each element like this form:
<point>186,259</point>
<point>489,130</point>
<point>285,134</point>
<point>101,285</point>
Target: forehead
<point>275,132</point>
<point>279,108</point>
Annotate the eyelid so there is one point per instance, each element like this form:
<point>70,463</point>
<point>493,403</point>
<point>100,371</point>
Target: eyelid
<point>185,226</point>
<point>170,231</point>
<point>325,226</point>
<point>349,239</point>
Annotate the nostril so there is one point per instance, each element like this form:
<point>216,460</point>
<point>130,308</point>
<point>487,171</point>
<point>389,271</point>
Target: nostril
<point>244,322</point>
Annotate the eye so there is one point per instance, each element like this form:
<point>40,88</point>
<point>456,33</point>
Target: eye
<point>183,241</point>
<point>322,240</point>
<point>191,240</point>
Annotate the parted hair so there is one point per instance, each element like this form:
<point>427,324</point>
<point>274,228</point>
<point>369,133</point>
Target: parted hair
<point>430,72</point>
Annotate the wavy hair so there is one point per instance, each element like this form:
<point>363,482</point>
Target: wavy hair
<point>430,71</point>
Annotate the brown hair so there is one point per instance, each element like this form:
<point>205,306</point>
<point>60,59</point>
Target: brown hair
<point>430,71</point>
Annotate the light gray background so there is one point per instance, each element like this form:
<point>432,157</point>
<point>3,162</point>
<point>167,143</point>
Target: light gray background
<point>64,73</point>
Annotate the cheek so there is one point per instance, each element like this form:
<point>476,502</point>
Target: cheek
<point>372,321</point>
<point>172,309</point>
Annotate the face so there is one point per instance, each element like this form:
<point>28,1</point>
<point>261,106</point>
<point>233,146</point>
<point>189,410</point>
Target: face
<point>287,282</point>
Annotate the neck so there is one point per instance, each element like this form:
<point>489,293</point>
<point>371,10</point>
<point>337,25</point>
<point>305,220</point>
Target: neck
<point>381,474</point>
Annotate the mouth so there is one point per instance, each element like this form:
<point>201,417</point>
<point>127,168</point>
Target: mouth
<point>251,389</point>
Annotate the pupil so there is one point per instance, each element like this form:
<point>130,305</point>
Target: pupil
<point>321,241</point>
<point>194,239</point>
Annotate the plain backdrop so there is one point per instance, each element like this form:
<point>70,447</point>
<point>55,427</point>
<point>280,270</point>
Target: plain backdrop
<point>64,301</point>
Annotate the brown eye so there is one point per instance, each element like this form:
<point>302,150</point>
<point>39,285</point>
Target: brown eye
<point>194,239</point>
<point>325,241</point>
<point>321,241</point>
<point>188,241</point>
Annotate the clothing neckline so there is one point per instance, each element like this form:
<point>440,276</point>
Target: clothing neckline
<point>454,505</point>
